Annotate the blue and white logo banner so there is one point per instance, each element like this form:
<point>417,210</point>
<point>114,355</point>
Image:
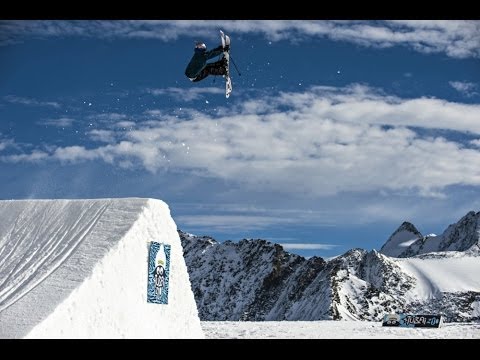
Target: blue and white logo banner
<point>158,273</point>
<point>410,320</point>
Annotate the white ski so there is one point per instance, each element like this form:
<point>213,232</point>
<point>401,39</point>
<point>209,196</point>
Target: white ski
<point>226,54</point>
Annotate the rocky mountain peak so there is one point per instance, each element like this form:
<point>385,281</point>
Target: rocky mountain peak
<point>461,236</point>
<point>401,239</point>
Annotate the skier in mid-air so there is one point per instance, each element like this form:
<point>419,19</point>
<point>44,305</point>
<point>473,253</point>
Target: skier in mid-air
<point>198,68</point>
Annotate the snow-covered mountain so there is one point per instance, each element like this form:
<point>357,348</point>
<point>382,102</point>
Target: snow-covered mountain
<point>258,280</point>
<point>402,238</point>
<point>407,241</point>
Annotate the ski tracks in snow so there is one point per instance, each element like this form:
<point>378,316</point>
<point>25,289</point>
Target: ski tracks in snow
<point>29,253</point>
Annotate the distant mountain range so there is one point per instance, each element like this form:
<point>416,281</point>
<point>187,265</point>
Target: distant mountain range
<point>256,280</point>
<point>407,241</point>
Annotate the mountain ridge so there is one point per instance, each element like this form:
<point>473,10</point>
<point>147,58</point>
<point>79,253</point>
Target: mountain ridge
<point>257,280</point>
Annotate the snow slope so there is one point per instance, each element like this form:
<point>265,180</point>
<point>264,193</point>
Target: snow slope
<point>447,274</point>
<point>78,269</point>
<point>332,330</point>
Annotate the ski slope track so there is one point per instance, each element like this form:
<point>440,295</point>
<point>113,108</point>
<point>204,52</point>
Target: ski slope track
<point>78,269</point>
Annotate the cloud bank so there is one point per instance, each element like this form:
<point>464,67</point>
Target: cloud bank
<point>320,142</point>
<point>455,38</point>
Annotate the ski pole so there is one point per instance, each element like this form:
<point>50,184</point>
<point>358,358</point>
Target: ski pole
<point>236,68</point>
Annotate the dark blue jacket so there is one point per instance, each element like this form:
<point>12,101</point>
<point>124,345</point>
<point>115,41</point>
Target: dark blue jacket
<point>199,61</point>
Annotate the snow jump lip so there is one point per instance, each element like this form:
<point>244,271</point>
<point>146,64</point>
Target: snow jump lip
<point>78,269</point>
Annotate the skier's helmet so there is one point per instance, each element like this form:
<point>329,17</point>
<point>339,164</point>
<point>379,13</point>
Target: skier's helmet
<point>200,46</point>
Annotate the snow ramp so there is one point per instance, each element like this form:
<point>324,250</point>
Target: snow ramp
<point>79,269</point>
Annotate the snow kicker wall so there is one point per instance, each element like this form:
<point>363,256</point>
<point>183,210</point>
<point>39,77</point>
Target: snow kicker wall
<point>78,269</point>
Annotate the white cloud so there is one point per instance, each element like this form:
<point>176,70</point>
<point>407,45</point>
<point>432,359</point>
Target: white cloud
<point>231,223</point>
<point>10,144</point>
<point>108,117</point>
<point>228,218</point>
<point>320,142</point>
<point>30,101</point>
<point>60,122</point>
<point>74,153</point>
<point>312,246</point>
<point>475,142</point>
<point>34,157</point>
<point>125,124</point>
<point>4,143</point>
<point>455,38</point>
<point>106,136</point>
<point>183,95</point>
<point>155,112</point>
<point>464,87</point>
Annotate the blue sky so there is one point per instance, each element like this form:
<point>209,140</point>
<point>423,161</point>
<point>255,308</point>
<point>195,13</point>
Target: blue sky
<point>336,131</point>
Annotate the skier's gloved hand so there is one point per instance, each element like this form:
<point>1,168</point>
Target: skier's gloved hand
<point>218,48</point>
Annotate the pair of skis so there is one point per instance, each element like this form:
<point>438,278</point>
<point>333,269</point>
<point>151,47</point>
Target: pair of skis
<point>228,81</point>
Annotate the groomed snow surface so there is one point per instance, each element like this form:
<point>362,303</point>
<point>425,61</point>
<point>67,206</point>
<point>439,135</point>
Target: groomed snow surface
<point>333,330</point>
<point>78,269</point>
<point>443,274</point>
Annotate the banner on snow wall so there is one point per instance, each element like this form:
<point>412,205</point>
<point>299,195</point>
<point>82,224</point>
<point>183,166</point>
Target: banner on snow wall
<point>158,273</point>
<point>407,320</point>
